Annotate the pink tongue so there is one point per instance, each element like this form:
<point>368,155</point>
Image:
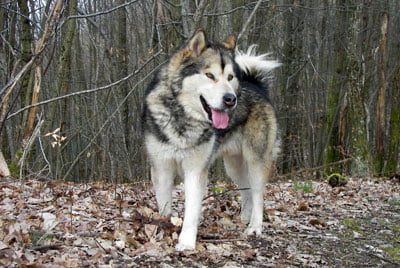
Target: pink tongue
<point>220,119</point>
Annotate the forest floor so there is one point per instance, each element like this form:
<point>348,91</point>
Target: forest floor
<point>307,224</point>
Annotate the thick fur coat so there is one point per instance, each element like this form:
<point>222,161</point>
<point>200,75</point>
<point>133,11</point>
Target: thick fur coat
<point>209,101</point>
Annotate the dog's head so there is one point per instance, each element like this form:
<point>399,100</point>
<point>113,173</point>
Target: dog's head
<point>205,79</point>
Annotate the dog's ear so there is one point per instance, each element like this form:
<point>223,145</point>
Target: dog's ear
<point>197,43</point>
<point>230,42</point>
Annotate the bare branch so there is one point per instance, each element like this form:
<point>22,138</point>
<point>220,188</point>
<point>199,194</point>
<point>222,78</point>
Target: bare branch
<point>246,24</point>
<point>102,12</point>
<point>86,91</point>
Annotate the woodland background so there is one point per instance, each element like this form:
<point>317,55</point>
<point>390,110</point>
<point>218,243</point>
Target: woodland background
<point>73,73</point>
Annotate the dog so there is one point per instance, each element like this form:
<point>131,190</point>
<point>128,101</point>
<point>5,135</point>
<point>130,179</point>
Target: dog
<point>210,100</point>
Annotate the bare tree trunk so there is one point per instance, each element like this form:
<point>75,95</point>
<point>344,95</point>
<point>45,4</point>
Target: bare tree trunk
<point>335,148</point>
<point>359,88</point>
<point>291,65</point>
<point>186,23</point>
<point>64,75</point>
<point>26,53</point>
<point>394,134</point>
<point>223,21</point>
<point>191,24</point>
<point>122,71</point>
<point>380,105</point>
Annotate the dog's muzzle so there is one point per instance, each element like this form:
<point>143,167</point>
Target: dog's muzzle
<point>229,100</point>
<point>220,117</point>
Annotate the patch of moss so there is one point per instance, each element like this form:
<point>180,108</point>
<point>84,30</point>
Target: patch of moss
<point>14,169</point>
<point>37,237</point>
<point>218,190</point>
<point>13,166</point>
<point>394,202</point>
<point>336,180</point>
<point>393,252</point>
<point>352,224</point>
<point>306,187</point>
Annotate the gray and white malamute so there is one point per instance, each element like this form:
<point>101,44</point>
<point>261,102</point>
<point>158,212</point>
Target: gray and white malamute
<point>210,101</point>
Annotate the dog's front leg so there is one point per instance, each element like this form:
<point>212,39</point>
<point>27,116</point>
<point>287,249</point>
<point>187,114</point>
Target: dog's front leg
<point>195,186</point>
<point>162,176</point>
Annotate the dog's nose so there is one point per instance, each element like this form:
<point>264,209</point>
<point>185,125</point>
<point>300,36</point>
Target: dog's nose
<point>229,99</point>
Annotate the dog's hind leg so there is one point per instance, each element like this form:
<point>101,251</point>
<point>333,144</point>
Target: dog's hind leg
<point>236,169</point>
<point>257,179</point>
<point>162,176</point>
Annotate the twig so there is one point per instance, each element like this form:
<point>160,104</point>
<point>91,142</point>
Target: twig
<point>28,145</point>
<point>246,24</point>
<point>222,13</point>
<point>41,147</point>
<point>85,91</point>
<point>101,12</point>
<point>314,168</point>
<point>100,246</point>
<point>227,240</point>
<point>45,248</point>
<point>225,192</point>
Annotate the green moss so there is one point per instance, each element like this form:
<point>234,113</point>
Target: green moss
<point>393,252</point>
<point>336,179</point>
<point>37,237</point>
<point>306,187</point>
<point>18,154</point>
<point>14,169</point>
<point>218,189</point>
<point>352,224</point>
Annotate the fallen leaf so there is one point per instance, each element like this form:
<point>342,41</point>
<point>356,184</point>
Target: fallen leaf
<point>303,206</point>
<point>49,221</point>
<point>176,221</point>
<point>317,222</point>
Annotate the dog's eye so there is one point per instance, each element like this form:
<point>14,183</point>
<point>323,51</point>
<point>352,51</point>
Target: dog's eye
<point>211,76</point>
<point>230,77</point>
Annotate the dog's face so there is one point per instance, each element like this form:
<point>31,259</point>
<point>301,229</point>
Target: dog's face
<point>210,85</point>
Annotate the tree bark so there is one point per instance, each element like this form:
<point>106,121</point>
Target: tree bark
<point>394,133</point>
<point>335,149</point>
<point>26,55</point>
<point>122,71</point>
<point>394,123</point>
<point>292,48</point>
<point>380,105</point>
<point>64,77</point>
<point>189,23</point>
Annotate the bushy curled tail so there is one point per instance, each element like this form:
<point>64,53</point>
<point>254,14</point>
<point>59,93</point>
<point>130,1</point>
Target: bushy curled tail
<point>256,68</point>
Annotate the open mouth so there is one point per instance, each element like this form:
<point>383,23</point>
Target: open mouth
<point>219,118</point>
<point>206,107</point>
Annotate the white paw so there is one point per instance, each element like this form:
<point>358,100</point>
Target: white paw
<point>187,240</point>
<point>257,230</point>
<point>183,247</point>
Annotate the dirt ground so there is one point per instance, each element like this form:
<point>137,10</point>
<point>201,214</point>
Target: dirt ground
<point>307,224</point>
